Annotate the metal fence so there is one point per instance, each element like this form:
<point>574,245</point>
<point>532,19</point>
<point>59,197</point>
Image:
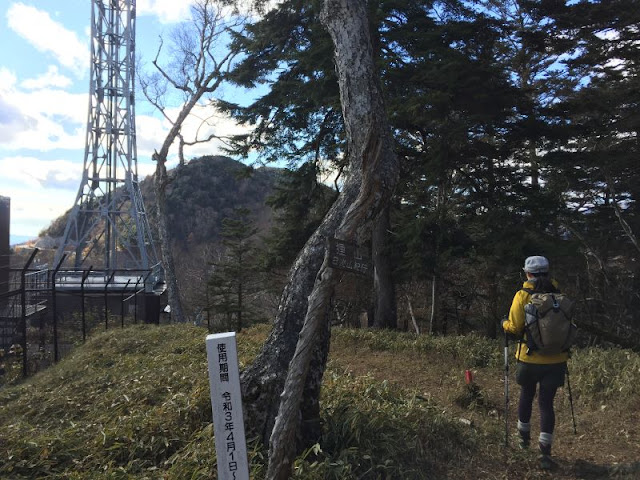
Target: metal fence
<point>44,313</point>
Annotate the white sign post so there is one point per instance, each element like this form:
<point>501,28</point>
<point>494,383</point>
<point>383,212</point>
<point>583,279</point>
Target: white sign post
<point>226,404</point>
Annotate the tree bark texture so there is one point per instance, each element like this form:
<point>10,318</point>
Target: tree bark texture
<point>263,381</point>
<point>385,312</point>
<point>173,292</point>
<point>373,167</point>
<point>413,317</point>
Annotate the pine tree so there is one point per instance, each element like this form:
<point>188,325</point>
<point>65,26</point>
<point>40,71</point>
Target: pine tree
<point>235,275</point>
<point>299,202</point>
<point>299,119</point>
<point>601,114</point>
<point>597,155</point>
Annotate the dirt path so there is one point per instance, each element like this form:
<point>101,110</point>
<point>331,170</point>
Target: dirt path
<point>607,443</point>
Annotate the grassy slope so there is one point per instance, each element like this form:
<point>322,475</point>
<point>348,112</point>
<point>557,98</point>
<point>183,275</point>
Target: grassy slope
<point>134,403</point>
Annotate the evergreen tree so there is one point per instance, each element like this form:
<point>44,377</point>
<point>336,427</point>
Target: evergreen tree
<point>599,146</point>
<point>454,119</point>
<point>596,154</point>
<point>235,276</point>
<point>299,119</point>
<point>449,102</point>
<point>300,202</point>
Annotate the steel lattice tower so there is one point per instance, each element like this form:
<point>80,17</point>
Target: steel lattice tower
<point>108,228</point>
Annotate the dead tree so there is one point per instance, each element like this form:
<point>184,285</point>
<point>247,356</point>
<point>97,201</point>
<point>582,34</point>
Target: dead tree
<point>194,73</point>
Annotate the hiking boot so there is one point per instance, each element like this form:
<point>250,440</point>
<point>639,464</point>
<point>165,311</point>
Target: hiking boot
<point>545,456</point>
<point>545,449</point>
<point>546,463</point>
<point>524,432</point>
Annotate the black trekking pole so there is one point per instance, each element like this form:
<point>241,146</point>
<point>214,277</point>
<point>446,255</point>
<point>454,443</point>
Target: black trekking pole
<point>506,390</point>
<point>573,417</point>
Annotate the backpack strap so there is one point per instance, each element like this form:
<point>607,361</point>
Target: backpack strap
<point>521,340</point>
<point>521,337</point>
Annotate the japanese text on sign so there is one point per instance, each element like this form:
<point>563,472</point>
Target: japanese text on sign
<point>349,256</point>
<point>226,404</point>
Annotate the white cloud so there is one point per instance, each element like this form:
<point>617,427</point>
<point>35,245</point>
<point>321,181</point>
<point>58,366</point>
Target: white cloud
<point>40,190</point>
<point>151,132</point>
<point>216,123</point>
<point>12,122</point>
<point>35,211</point>
<point>7,79</point>
<point>41,119</point>
<point>34,173</point>
<point>49,36</point>
<point>167,11</point>
<point>52,78</point>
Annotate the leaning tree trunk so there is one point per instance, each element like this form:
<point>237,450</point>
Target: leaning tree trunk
<point>373,167</point>
<point>160,182</point>
<point>173,293</point>
<point>263,381</point>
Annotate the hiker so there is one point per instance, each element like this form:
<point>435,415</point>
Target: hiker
<point>534,368</point>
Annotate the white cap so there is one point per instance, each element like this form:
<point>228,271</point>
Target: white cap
<point>536,264</point>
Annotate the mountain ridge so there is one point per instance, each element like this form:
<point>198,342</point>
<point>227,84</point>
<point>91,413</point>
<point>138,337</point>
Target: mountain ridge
<point>201,193</point>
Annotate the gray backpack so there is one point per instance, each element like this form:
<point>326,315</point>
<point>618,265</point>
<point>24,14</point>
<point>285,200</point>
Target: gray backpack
<point>548,323</point>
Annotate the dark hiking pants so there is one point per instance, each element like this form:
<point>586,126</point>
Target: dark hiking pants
<point>550,378</point>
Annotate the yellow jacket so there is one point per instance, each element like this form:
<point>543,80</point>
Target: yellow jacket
<point>515,326</point>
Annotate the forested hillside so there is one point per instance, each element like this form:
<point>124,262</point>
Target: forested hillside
<point>207,190</point>
<point>203,192</point>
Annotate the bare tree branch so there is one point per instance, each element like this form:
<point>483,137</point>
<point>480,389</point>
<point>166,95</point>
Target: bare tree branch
<point>623,223</point>
<point>193,72</point>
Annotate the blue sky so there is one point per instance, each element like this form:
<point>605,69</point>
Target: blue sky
<point>44,95</point>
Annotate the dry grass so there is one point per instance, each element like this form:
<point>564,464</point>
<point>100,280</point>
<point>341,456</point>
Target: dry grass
<point>605,388</point>
<point>134,404</point>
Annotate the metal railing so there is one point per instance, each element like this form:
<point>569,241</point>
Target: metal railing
<point>44,312</point>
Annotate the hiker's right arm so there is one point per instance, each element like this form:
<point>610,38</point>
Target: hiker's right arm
<point>515,323</point>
